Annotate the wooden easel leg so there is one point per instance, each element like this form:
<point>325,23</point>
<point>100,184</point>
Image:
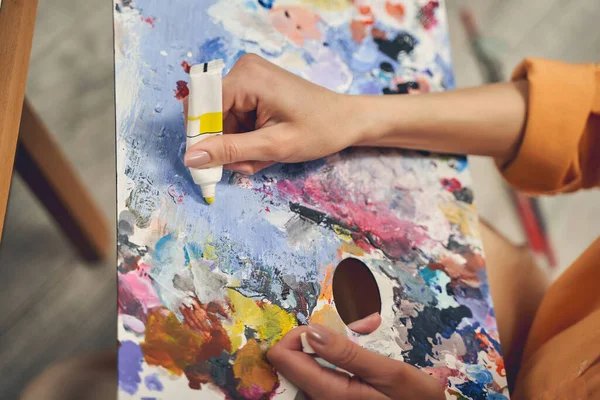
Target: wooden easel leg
<point>52,179</point>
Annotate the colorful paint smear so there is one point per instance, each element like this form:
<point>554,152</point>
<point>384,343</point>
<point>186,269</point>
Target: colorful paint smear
<point>205,292</point>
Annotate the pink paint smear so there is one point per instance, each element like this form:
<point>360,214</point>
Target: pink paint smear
<point>373,224</point>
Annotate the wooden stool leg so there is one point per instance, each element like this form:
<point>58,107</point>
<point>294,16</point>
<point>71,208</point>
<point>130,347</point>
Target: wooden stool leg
<point>52,179</point>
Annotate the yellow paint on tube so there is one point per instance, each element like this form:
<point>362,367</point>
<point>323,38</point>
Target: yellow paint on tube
<point>211,122</point>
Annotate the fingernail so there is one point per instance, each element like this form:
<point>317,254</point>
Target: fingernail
<point>319,334</point>
<point>196,158</point>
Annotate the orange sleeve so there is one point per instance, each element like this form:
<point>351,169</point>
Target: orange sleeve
<point>560,150</point>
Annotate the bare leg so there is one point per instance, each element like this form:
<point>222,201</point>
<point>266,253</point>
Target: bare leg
<point>517,284</point>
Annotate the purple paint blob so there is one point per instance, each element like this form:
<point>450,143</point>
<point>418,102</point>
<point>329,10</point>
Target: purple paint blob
<point>152,383</point>
<point>130,366</point>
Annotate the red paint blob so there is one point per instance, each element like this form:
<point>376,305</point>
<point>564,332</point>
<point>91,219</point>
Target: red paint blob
<point>427,14</point>
<point>182,90</point>
<point>149,20</point>
<point>451,185</point>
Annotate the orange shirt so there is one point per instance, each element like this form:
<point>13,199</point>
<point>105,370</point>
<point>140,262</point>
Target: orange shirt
<point>561,152</point>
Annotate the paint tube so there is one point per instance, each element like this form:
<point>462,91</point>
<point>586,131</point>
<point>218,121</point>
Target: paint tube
<point>205,119</point>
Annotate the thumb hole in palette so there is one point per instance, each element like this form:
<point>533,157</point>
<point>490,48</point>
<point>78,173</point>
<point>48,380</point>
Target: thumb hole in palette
<point>355,291</point>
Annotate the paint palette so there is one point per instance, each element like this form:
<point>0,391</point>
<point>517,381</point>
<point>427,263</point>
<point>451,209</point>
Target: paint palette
<point>204,291</point>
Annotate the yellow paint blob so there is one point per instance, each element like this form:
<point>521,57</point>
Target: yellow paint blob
<point>209,200</point>
<point>210,252</point>
<point>269,320</point>
<point>235,332</point>
<point>350,248</point>
<point>328,5</point>
<point>342,233</point>
<point>463,216</point>
<point>276,323</point>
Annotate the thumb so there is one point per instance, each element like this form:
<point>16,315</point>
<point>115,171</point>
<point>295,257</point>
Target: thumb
<point>259,145</point>
<point>366,325</point>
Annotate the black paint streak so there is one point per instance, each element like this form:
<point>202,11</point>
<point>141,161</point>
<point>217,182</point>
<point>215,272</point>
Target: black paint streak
<point>320,218</point>
<point>426,325</point>
<point>403,44</point>
<point>402,88</point>
<point>457,247</point>
<point>464,194</point>
<point>386,67</point>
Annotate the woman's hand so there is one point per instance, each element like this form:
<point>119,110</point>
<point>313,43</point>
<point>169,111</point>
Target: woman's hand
<point>281,117</point>
<point>278,117</point>
<point>375,376</point>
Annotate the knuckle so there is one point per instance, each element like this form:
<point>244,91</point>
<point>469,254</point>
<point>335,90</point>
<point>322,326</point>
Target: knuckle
<point>278,146</point>
<point>396,374</point>
<point>272,148</point>
<point>231,152</point>
<point>348,353</point>
<point>249,62</point>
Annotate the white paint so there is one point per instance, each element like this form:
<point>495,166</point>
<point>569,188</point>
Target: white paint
<point>208,285</point>
<point>247,25</point>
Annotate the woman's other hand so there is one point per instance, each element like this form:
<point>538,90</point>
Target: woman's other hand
<point>375,376</point>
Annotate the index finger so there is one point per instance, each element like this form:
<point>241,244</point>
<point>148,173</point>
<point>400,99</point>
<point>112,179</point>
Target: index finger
<point>318,382</point>
<point>238,85</point>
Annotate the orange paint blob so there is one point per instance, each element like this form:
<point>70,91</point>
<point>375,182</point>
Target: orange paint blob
<point>378,34</point>
<point>296,23</point>
<point>256,377</point>
<point>168,343</point>
<point>395,10</point>
<point>492,353</point>
<point>328,316</point>
<point>466,273</point>
<point>364,9</point>
<point>358,30</point>
<point>327,285</point>
<point>177,346</point>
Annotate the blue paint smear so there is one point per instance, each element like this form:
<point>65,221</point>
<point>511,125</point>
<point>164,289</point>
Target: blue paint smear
<point>192,251</point>
<point>461,163</point>
<point>153,383</point>
<point>480,374</point>
<point>496,396</point>
<point>427,274</point>
<point>472,390</point>
<point>130,366</point>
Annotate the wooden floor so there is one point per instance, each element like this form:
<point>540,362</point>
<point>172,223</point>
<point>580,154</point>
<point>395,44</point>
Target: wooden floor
<point>52,306</point>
